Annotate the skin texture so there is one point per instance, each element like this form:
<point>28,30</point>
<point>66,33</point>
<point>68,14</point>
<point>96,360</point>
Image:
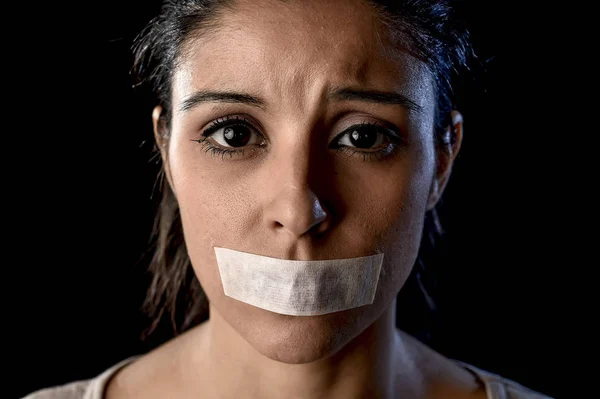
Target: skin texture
<point>291,195</point>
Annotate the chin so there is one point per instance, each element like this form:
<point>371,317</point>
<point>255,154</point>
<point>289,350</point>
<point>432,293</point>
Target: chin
<point>299,339</point>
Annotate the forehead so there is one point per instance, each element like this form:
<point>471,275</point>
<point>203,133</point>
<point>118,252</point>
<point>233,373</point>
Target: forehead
<point>274,47</point>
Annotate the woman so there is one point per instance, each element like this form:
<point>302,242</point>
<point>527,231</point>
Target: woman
<point>304,145</point>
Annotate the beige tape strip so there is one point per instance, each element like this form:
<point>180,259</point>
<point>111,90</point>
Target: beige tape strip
<point>298,287</point>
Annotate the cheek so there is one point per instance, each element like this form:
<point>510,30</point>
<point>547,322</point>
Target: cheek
<point>210,200</point>
<point>214,207</point>
<point>390,211</point>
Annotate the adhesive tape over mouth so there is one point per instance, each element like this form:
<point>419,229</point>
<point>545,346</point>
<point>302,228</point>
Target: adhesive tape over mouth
<point>299,287</point>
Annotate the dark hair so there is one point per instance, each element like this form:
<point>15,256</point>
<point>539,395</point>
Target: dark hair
<point>426,29</point>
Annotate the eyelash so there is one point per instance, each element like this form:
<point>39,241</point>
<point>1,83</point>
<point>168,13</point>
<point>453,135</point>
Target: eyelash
<point>221,123</point>
<point>395,140</point>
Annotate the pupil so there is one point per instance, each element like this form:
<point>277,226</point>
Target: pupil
<point>363,138</point>
<point>237,136</point>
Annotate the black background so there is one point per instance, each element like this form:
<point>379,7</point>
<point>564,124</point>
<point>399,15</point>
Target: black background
<point>79,181</point>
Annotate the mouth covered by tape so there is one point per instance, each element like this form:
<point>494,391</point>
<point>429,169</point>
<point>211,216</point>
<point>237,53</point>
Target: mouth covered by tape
<point>299,287</point>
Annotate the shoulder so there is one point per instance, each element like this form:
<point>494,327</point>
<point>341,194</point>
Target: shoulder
<point>156,373</point>
<point>74,390</point>
<point>449,376</point>
<point>500,387</point>
<point>92,388</point>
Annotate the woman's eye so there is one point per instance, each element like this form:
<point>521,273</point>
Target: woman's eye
<point>235,136</point>
<point>363,137</point>
<point>232,136</point>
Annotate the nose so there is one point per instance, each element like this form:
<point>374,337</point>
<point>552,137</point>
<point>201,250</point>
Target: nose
<point>298,210</point>
<point>295,207</point>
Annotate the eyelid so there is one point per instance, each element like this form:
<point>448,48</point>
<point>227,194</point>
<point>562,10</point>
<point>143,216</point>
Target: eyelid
<point>230,120</point>
<point>395,139</point>
<point>388,130</point>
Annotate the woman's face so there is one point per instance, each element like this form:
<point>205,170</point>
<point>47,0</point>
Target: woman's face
<point>295,134</point>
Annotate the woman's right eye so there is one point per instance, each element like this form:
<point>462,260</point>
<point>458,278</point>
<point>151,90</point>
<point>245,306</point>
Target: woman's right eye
<point>235,136</point>
<point>230,136</point>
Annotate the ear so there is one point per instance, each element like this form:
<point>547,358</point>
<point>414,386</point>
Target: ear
<point>161,135</point>
<point>446,154</point>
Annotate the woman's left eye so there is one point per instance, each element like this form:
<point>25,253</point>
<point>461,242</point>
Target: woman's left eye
<point>364,137</point>
<point>369,140</point>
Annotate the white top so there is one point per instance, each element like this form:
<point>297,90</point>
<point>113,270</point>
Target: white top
<point>496,387</point>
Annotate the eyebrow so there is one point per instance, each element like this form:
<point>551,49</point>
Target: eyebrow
<point>221,97</point>
<point>347,94</point>
<point>374,96</point>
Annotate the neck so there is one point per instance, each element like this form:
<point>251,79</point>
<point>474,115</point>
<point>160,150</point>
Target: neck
<point>366,367</point>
